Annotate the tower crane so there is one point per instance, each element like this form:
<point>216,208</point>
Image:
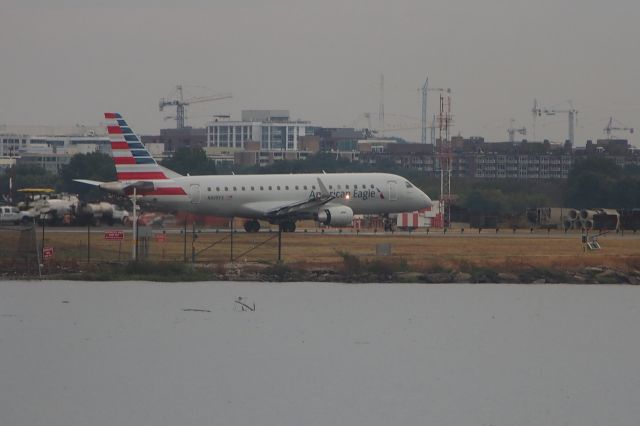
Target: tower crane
<point>513,130</point>
<point>572,115</point>
<point>180,103</point>
<point>618,126</point>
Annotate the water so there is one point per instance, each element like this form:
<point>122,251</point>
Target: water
<point>317,354</point>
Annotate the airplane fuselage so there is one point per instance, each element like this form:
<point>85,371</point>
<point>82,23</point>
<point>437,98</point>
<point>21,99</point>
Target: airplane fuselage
<point>252,195</point>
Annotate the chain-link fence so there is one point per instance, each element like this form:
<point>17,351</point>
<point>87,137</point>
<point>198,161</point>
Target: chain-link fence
<point>19,250</point>
<point>24,248</point>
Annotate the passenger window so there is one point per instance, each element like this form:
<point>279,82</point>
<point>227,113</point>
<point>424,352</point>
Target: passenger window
<point>243,188</point>
<point>226,188</point>
<point>235,188</point>
<point>346,186</point>
<point>305,187</point>
<point>313,187</point>
<point>371,186</point>
<point>286,187</point>
<point>330,186</point>
<point>278,187</point>
<point>252,188</point>
<point>297,187</point>
<point>262,188</point>
<point>355,186</point>
<point>270,188</point>
<point>218,188</point>
<point>209,188</point>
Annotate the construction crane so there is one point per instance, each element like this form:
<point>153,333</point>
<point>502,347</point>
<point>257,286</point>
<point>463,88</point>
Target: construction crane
<point>618,126</point>
<point>572,115</point>
<point>512,130</point>
<point>178,100</point>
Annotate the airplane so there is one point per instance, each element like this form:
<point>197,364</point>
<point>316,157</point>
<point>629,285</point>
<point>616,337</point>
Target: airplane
<point>331,199</point>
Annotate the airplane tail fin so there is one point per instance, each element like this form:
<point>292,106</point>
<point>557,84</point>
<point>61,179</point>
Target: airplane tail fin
<point>132,160</point>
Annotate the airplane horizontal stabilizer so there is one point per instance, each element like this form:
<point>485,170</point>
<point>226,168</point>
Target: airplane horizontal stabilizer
<point>89,182</point>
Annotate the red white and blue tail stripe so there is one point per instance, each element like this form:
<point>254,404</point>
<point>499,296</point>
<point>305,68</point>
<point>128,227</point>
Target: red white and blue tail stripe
<point>132,160</point>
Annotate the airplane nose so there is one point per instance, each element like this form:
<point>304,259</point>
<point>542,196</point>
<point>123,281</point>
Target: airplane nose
<point>426,200</point>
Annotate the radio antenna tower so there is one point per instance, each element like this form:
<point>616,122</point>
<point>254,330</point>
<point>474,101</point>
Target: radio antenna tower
<point>425,87</point>
<point>425,90</point>
<point>445,155</point>
<point>381,106</point>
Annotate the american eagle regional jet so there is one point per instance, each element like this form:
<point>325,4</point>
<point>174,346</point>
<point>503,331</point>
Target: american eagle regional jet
<point>331,199</point>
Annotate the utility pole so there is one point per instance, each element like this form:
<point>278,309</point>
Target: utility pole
<point>134,254</point>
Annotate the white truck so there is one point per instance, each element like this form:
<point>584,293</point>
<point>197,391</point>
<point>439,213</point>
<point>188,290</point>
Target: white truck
<point>9,215</point>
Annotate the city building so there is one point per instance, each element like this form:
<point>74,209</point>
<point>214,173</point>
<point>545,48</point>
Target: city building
<point>476,158</point>
<point>50,152</point>
<point>186,137</point>
<point>273,129</point>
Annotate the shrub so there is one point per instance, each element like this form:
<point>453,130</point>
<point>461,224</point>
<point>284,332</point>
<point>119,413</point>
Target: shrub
<point>279,271</point>
<point>351,263</point>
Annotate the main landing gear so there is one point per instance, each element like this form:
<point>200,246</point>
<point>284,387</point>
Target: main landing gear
<point>288,226</point>
<point>252,225</point>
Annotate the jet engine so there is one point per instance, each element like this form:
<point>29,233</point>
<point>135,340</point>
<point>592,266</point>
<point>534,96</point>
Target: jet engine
<point>335,216</point>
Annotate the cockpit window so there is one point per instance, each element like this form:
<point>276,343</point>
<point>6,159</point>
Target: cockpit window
<point>407,184</point>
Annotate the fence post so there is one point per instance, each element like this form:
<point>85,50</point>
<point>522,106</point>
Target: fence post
<point>89,241</point>
<point>184,232</point>
<point>193,242</point>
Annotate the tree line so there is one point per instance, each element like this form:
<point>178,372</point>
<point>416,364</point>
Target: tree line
<point>592,182</point>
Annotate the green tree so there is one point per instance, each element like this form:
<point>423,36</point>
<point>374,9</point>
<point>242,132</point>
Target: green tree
<point>192,161</point>
<point>93,166</point>
<point>486,201</point>
<point>600,182</point>
<point>27,176</point>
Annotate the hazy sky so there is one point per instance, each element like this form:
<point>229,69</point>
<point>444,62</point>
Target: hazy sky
<point>66,62</point>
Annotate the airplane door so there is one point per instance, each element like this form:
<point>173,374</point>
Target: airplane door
<point>393,191</point>
<point>194,193</point>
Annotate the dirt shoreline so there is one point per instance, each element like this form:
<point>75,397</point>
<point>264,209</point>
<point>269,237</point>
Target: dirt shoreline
<point>350,270</point>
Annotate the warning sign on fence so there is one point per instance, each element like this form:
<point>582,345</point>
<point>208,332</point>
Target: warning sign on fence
<point>47,252</point>
<point>114,235</point>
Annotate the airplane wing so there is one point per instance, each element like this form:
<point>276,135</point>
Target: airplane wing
<point>299,206</point>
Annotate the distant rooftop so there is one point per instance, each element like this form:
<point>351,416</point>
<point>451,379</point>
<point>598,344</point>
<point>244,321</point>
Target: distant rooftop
<point>277,115</point>
<point>37,130</point>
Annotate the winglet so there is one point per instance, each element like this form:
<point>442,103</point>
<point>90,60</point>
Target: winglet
<point>323,189</point>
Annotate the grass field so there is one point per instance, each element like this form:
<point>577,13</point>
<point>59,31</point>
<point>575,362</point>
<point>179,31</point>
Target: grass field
<point>506,250</point>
